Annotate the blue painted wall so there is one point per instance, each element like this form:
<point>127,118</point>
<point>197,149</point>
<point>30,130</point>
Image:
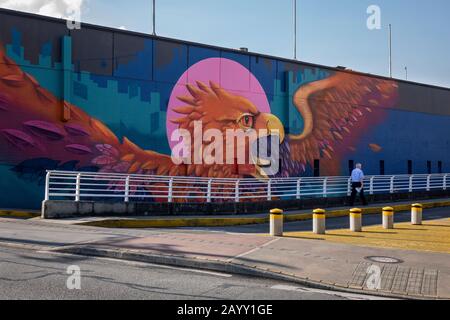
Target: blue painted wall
<point>125,80</point>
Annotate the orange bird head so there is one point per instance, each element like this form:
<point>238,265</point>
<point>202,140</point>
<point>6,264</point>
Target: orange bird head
<point>222,111</point>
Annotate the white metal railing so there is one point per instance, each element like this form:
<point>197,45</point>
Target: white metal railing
<point>78,186</point>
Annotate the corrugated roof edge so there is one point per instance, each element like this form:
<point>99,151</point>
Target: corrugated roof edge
<point>116,30</point>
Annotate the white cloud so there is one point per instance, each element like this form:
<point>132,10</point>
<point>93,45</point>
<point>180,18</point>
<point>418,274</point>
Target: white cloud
<point>54,8</point>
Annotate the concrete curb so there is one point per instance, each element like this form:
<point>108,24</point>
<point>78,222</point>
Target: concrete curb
<point>19,214</point>
<point>25,246</point>
<point>227,267</point>
<point>238,221</point>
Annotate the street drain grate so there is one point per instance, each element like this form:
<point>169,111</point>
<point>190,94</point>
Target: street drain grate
<point>396,278</point>
<point>387,260</point>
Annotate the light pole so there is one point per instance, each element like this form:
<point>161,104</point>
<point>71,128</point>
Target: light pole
<point>295,28</point>
<point>390,50</point>
<point>154,17</point>
<point>406,71</point>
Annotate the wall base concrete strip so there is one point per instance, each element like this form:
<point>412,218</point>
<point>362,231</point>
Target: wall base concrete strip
<point>227,267</point>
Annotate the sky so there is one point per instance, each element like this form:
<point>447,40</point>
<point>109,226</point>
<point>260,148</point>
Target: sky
<point>330,32</point>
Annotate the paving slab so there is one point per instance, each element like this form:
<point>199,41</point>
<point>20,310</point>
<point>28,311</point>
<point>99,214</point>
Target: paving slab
<point>207,246</point>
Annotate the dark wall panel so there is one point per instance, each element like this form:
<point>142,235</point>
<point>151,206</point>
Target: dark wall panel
<point>133,57</point>
<point>92,51</point>
<point>42,38</point>
<point>170,61</point>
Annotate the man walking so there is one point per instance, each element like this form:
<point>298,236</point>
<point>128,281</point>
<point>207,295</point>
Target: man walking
<point>358,185</point>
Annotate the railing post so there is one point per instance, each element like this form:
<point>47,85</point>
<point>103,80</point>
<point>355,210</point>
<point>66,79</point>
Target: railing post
<point>391,188</point>
<point>325,190</point>
<point>428,182</point>
<point>78,188</point>
<point>269,190</point>
<point>236,192</point>
<point>208,195</point>
<point>47,186</point>
<point>445,182</point>
<point>371,186</point>
<point>349,187</point>
<point>298,194</point>
<point>411,185</point>
<point>127,189</point>
<point>170,196</point>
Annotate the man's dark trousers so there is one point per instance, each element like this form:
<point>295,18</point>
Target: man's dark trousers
<point>356,185</point>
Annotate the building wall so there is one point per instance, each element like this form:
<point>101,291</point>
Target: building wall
<point>130,84</point>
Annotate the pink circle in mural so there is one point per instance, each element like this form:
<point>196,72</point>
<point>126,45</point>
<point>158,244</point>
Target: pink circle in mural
<point>228,74</point>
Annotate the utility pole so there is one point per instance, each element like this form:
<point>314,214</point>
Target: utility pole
<point>154,17</point>
<point>390,50</point>
<point>295,28</point>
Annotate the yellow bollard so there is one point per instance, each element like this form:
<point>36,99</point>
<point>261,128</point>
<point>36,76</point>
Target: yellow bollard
<point>356,220</point>
<point>319,221</point>
<point>416,214</point>
<point>388,218</point>
<point>276,223</point>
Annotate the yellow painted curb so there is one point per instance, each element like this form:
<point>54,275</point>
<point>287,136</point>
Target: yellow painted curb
<point>238,221</point>
<point>18,214</point>
<point>175,223</point>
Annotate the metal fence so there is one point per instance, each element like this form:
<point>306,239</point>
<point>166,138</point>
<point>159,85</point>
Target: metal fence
<point>79,186</point>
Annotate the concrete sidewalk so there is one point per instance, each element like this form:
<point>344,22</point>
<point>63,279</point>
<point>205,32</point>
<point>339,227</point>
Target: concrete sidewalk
<point>313,262</point>
<point>321,264</point>
<point>316,263</point>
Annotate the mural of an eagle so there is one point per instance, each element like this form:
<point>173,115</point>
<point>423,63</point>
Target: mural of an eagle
<point>32,126</point>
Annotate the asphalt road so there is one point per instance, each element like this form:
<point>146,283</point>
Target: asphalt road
<point>26,274</point>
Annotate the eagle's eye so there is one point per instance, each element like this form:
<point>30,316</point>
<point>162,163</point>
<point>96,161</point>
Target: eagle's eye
<point>246,121</point>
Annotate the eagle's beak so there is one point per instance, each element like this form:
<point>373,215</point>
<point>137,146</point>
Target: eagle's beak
<point>269,122</point>
<point>272,126</point>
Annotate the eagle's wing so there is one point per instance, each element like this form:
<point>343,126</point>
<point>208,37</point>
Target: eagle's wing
<point>333,109</point>
<point>38,129</point>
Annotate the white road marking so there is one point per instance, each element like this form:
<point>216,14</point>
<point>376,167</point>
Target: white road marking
<point>253,250</point>
<point>288,288</point>
<point>351,296</point>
